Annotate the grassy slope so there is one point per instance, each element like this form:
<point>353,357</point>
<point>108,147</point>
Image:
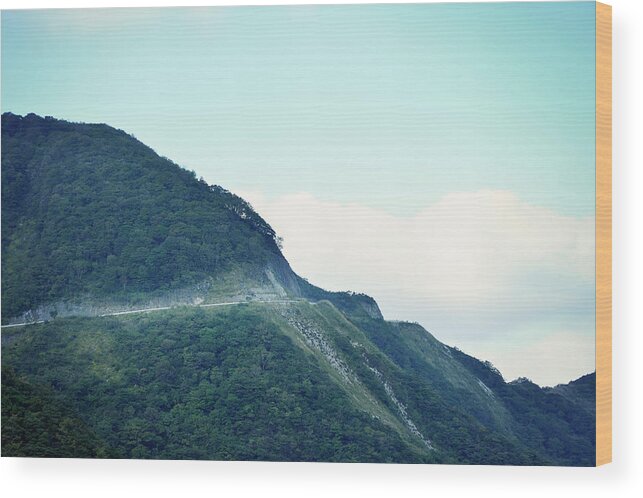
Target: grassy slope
<point>413,349</point>
<point>432,402</point>
<point>545,419</point>
<point>556,423</point>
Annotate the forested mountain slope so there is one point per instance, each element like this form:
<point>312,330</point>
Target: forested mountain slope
<point>90,211</point>
<point>93,221</point>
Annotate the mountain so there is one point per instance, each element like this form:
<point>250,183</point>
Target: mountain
<point>91,212</point>
<point>237,357</point>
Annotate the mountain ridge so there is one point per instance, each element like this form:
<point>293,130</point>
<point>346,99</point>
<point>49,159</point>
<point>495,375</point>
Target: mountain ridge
<point>99,224</point>
<point>115,260</point>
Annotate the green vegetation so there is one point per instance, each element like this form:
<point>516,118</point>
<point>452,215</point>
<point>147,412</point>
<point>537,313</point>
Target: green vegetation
<point>557,423</point>
<point>196,384</point>
<point>91,213</point>
<point>89,210</point>
<point>459,437</point>
<point>36,424</point>
<point>545,420</point>
<point>240,383</point>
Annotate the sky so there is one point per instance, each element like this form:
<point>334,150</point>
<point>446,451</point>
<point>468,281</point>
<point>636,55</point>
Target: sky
<point>438,157</point>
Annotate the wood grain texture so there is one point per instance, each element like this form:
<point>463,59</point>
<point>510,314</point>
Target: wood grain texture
<point>603,234</point>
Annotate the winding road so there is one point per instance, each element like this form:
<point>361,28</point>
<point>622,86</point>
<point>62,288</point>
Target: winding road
<point>163,308</point>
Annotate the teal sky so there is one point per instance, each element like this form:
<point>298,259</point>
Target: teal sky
<point>439,157</point>
<point>390,105</point>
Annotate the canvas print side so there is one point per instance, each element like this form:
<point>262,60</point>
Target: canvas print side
<point>603,234</point>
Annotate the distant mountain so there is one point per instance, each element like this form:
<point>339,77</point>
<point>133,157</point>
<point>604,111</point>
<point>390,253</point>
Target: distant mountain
<point>240,358</point>
<point>581,391</point>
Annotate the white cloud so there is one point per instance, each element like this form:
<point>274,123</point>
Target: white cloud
<point>474,266</point>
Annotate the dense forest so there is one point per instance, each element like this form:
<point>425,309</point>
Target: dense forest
<point>35,423</point>
<point>89,212</point>
<point>232,385</point>
<point>195,385</point>
<point>557,422</point>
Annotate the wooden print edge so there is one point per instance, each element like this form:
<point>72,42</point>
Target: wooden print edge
<point>603,233</point>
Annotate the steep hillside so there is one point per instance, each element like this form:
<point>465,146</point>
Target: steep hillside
<point>257,381</point>
<point>89,211</point>
<point>94,221</point>
<point>35,423</point>
<point>559,422</point>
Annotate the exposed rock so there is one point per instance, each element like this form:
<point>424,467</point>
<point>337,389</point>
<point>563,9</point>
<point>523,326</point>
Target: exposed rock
<point>399,405</point>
